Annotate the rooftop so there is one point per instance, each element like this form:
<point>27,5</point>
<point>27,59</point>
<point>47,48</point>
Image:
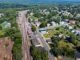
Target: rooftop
<point>77,54</point>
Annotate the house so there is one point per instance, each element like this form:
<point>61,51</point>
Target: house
<point>77,32</point>
<point>63,23</point>
<point>31,14</point>
<point>48,40</point>
<point>65,13</point>
<point>37,23</point>
<point>43,30</point>
<point>60,35</point>
<point>70,27</point>
<point>66,20</point>
<point>36,41</point>
<point>78,16</point>
<point>77,55</point>
<point>1,14</point>
<point>54,23</point>
<point>73,31</point>
<point>72,22</point>
<point>6,25</point>
<point>48,25</point>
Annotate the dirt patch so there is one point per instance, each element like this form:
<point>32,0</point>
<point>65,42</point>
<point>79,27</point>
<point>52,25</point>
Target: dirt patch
<point>5,48</point>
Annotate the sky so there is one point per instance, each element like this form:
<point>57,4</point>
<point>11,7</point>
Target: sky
<point>35,1</point>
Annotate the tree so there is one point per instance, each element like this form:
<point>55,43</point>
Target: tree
<point>56,18</point>
<point>0,27</point>
<point>2,33</point>
<point>61,47</point>
<point>55,40</point>
<point>33,28</point>
<point>44,55</point>
<point>43,24</point>
<point>13,33</point>
<point>38,54</point>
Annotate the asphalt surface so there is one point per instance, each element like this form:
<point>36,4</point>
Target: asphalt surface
<point>46,46</point>
<point>44,43</point>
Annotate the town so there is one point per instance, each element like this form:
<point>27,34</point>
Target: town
<point>40,32</point>
<point>57,30</point>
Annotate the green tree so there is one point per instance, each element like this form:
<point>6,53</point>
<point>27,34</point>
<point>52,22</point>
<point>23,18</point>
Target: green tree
<point>33,28</point>
<point>0,27</point>
<point>44,55</point>
<point>38,54</point>
<point>43,24</point>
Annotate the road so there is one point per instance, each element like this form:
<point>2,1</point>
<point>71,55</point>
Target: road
<point>25,29</point>
<point>23,26</point>
<point>45,44</point>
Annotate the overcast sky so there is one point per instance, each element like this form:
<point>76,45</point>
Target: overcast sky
<point>34,1</point>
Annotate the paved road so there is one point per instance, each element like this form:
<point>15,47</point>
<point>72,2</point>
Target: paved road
<point>23,25</point>
<point>45,44</point>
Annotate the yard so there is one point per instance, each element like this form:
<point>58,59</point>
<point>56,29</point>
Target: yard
<point>52,32</point>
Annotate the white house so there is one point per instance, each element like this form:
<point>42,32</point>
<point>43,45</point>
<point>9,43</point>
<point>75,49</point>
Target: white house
<point>6,25</point>
<point>70,27</point>
<point>1,14</point>
<point>77,32</point>
<point>48,25</point>
<point>54,23</point>
<point>37,23</point>
<point>62,23</point>
<point>31,14</point>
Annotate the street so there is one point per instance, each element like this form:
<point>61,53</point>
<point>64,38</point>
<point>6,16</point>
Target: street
<point>44,43</point>
<point>46,46</point>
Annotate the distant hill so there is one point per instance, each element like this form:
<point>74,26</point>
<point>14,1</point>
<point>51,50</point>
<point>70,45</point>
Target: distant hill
<point>11,5</point>
<point>38,1</point>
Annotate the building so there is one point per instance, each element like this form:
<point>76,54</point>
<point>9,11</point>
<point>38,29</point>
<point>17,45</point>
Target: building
<point>70,27</point>
<point>72,22</point>
<point>48,40</point>
<point>36,41</point>
<point>77,32</point>
<point>48,25</point>
<point>63,23</point>
<point>37,23</point>
<point>43,30</point>
<point>6,25</point>
<point>1,14</point>
<point>77,55</point>
<point>54,24</point>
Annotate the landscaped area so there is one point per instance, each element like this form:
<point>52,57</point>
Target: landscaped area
<point>49,33</point>
<point>52,32</point>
